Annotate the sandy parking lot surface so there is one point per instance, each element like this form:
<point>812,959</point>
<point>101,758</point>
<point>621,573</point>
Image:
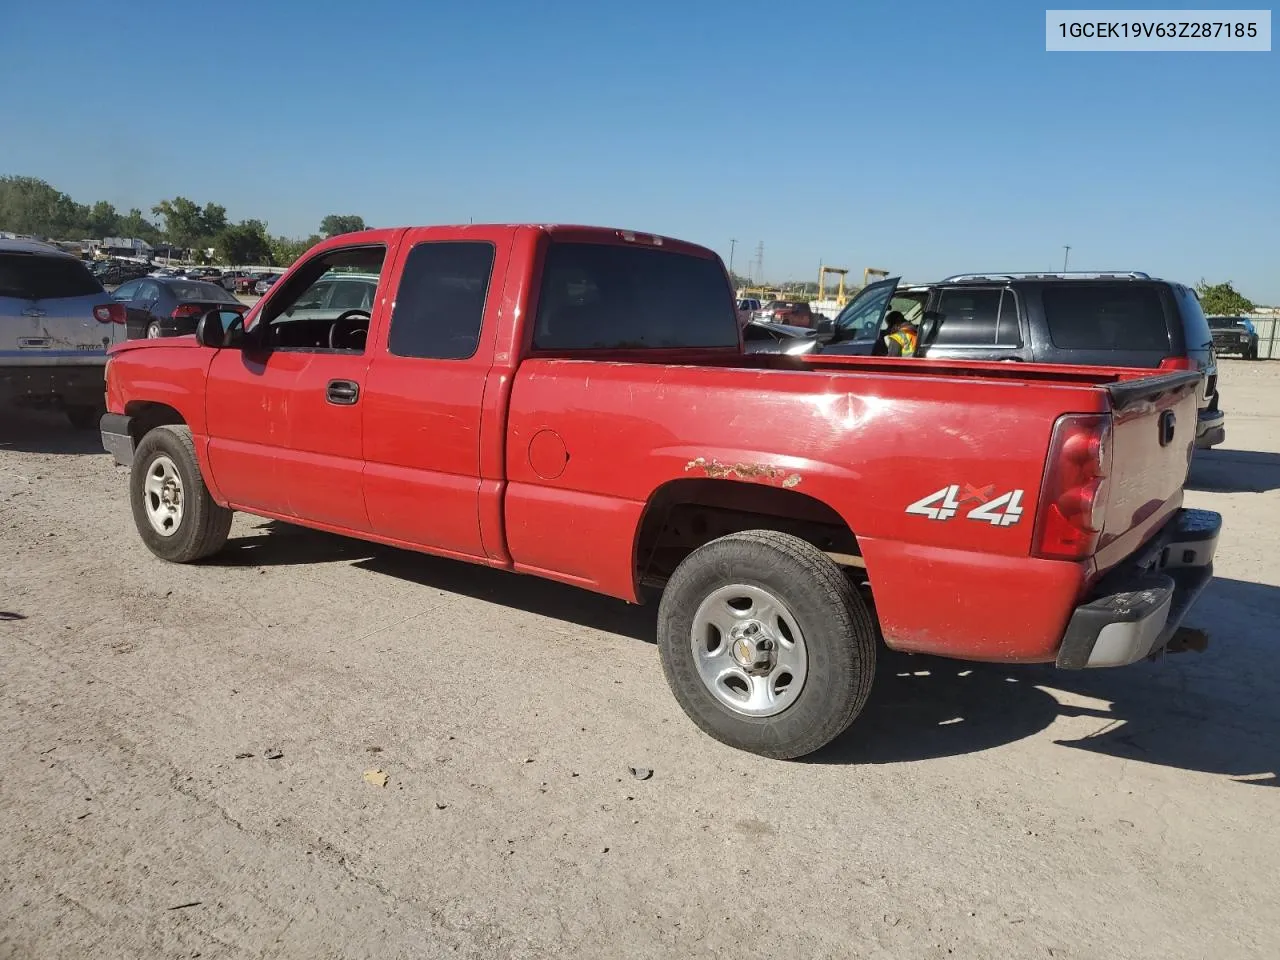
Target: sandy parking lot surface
<point>971,811</point>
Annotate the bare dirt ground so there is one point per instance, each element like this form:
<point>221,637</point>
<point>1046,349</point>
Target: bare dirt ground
<point>970,812</point>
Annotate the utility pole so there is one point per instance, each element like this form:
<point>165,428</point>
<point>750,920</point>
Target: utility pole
<point>760,261</point>
<point>732,246</point>
<point>1066,252</point>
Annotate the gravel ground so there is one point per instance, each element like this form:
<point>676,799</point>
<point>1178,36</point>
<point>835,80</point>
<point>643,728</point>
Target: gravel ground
<point>183,759</point>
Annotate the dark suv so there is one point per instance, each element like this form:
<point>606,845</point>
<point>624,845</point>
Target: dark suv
<point>1098,319</point>
<point>1234,335</point>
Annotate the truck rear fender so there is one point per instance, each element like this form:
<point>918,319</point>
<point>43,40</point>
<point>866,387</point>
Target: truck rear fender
<point>682,515</point>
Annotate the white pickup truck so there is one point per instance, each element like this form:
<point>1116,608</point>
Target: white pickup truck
<point>56,323</point>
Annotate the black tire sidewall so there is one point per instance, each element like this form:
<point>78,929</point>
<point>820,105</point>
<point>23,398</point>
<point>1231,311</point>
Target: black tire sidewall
<point>822,709</point>
<point>181,545</point>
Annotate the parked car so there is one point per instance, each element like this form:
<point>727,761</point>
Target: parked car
<point>748,309</point>
<point>229,279</point>
<point>761,337</point>
<point>1234,335</point>
<point>245,284</point>
<point>169,307</point>
<point>114,272</point>
<point>573,403</point>
<point>211,274</point>
<point>263,284</point>
<point>795,313</point>
<point>56,323</point>
<point>1094,319</point>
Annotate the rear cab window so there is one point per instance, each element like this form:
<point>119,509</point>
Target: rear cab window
<point>28,276</point>
<point>440,303</point>
<point>1107,316</point>
<point>599,296</point>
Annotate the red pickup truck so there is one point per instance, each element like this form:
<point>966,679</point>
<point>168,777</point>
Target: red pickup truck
<point>575,403</point>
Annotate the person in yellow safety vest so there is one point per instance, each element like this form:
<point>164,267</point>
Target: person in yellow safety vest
<point>903,338</point>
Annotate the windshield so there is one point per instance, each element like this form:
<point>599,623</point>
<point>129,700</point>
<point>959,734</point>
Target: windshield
<point>1224,323</point>
<point>35,277</point>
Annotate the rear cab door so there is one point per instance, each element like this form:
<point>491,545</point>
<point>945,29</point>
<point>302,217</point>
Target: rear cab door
<point>973,322</point>
<point>432,402</point>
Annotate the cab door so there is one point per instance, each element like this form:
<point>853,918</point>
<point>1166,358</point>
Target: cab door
<point>285,410</point>
<point>860,325</point>
<point>426,390</point>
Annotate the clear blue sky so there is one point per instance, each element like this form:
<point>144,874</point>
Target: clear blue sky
<point>927,137</point>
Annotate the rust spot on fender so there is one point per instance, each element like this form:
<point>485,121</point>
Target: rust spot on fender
<point>751,472</point>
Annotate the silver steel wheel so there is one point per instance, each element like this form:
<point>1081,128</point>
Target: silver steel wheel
<point>749,650</point>
<point>153,330</point>
<point>163,498</point>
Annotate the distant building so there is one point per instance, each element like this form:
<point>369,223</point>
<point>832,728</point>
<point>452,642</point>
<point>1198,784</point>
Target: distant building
<point>125,247</point>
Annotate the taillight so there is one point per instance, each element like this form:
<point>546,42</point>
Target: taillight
<point>109,313</point>
<point>183,310</point>
<point>1178,363</point>
<point>1074,493</point>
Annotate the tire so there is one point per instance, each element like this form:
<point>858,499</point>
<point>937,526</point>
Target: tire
<point>153,330</point>
<point>1252,352</point>
<point>198,527</point>
<point>85,416</point>
<point>837,640</point>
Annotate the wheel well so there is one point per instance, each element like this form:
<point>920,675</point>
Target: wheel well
<point>685,514</point>
<point>147,415</point>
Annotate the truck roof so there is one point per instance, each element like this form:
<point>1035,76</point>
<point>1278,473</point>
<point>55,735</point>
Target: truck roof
<point>33,246</point>
<point>582,233</point>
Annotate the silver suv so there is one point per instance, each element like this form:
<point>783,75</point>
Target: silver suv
<point>56,323</point>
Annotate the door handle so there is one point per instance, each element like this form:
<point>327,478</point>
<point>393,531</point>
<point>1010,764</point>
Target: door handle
<point>345,392</point>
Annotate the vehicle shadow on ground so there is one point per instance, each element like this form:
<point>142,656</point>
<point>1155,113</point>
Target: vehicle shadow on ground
<point>45,431</point>
<point>1216,712</point>
<point>275,544</point>
<point>1234,471</point>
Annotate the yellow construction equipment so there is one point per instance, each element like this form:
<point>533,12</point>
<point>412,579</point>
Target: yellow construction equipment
<point>841,272</point>
<point>870,272</point>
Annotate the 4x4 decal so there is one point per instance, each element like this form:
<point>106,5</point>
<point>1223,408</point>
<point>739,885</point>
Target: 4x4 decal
<point>1000,511</point>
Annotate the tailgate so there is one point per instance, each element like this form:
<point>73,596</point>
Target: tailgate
<point>1153,437</point>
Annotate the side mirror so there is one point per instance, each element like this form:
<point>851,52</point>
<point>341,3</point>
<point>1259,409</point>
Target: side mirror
<point>213,328</point>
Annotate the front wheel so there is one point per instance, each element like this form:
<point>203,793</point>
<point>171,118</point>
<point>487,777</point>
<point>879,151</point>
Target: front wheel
<point>175,515</point>
<point>765,644</point>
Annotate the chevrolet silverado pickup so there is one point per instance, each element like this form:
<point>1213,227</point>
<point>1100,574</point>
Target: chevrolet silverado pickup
<point>575,403</point>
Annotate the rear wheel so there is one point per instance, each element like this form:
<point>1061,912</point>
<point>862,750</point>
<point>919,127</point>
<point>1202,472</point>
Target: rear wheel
<point>172,508</point>
<point>765,644</point>
<point>153,330</point>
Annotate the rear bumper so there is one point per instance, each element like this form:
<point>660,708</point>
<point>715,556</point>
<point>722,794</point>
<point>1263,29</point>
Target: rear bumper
<point>1136,608</point>
<point>116,438</point>
<point>66,385</point>
<point>1211,426</point>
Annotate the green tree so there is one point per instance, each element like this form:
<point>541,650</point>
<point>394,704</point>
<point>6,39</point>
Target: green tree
<point>134,224</point>
<point>1222,300</point>
<point>285,250</point>
<point>103,220</point>
<point>183,221</point>
<point>215,219</point>
<point>243,243</point>
<point>336,223</point>
<point>30,206</point>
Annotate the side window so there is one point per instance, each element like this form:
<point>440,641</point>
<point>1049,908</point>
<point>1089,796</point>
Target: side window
<point>967,318</point>
<point>149,292</point>
<point>1008,330</point>
<point>301,313</point>
<point>440,304</point>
